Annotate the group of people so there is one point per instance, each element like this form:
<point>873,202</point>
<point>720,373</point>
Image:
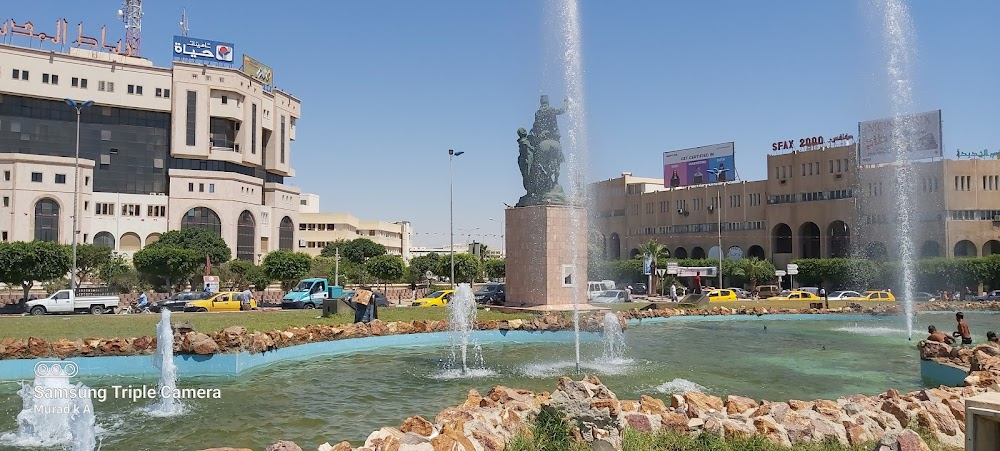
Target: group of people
<point>963,332</point>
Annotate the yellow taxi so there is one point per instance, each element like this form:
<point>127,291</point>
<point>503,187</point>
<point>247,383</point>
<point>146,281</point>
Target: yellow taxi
<point>721,295</point>
<point>796,295</point>
<point>438,298</point>
<point>225,301</point>
<point>875,296</point>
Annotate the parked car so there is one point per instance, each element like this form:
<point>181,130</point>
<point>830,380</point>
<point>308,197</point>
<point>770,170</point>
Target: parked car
<point>767,291</point>
<point>878,296</point>
<point>843,295</point>
<point>438,298</point>
<point>67,301</point>
<point>796,295</point>
<point>923,296</point>
<point>595,289</point>
<point>813,290</point>
<point>740,293</point>
<point>492,294</point>
<point>639,288</point>
<point>611,296</point>
<point>721,295</point>
<point>176,302</point>
<point>226,301</point>
<point>991,296</point>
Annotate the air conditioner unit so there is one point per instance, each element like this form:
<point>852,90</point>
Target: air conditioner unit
<point>996,218</point>
<point>710,208</point>
<point>680,211</point>
<point>302,243</point>
<point>783,182</point>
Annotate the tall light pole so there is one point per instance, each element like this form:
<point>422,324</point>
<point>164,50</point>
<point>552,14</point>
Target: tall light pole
<point>503,244</point>
<point>76,184</point>
<point>451,196</point>
<point>718,173</point>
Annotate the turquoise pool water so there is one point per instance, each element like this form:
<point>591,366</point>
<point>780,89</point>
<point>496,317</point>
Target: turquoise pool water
<point>345,397</point>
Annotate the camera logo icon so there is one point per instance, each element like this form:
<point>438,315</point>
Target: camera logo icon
<point>56,368</point>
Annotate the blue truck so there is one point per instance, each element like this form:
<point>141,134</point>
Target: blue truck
<point>310,294</point>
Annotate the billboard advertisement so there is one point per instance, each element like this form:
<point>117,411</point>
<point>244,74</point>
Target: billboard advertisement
<point>706,164</point>
<point>256,70</point>
<point>921,131</point>
<point>203,50</point>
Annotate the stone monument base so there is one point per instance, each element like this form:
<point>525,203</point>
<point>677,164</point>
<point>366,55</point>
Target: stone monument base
<point>540,267</point>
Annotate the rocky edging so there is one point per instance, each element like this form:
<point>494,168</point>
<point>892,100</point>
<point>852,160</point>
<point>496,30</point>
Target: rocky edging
<point>598,417</point>
<point>982,361</point>
<point>236,339</point>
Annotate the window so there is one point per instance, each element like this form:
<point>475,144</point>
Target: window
<point>191,187</point>
<point>201,217</point>
<point>6,176</point>
<point>130,210</point>
<point>282,139</point>
<point>104,209</point>
<point>156,211</point>
<point>83,83</point>
<point>86,205</point>
<point>47,220</point>
<point>61,179</point>
<point>86,181</point>
<point>5,236</point>
<point>253,128</point>
<point>111,86</point>
<point>6,201</point>
<point>75,82</point>
<point>211,187</point>
<point>45,78</point>
<point>24,75</point>
<point>36,177</point>
<point>131,89</point>
<point>159,92</point>
<point>101,85</point>
<point>105,135</point>
<point>225,100</point>
<point>138,90</point>
<point>192,110</point>
<point>166,93</point>
<point>201,187</point>
<point>15,74</point>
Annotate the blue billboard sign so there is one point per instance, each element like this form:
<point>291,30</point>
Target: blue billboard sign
<point>203,50</point>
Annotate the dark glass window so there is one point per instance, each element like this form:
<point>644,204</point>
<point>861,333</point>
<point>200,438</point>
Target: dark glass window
<point>24,75</point>
<point>83,83</point>
<point>61,178</point>
<point>104,239</point>
<point>36,176</point>
<point>286,234</point>
<point>192,119</point>
<point>282,139</point>
<point>75,82</point>
<point>223,132</point>
<point>246,236</point>
<point>202,217</point>
<point>47,220</point>
<point>253,128</point>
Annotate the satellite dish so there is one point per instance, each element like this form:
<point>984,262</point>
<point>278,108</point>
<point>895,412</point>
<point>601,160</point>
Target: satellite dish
<point>121,14</point>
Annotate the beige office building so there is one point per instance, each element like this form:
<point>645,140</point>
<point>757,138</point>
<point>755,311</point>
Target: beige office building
<point>161,148</point>
<point>813,204</point>
<point>317,229</point>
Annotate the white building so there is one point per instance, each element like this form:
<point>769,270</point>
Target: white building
<point>191,145</point>
<point>317,229</point>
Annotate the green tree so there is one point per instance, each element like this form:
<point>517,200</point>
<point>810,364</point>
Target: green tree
<point>236,274</point>
<point>359,250</point>
<point>119,273</point>
<point>467,267</point>
<point>197,239</point>
<point>659,252</point>
<point>496,268</point>
<point>168,265</point>
<point>386,268</point>
<point>89,259</point>
<point>755,270</point>
<point>23,263</point>
<point>287,267</point>
<point>322,267</point>
<point>330,250</point>
<point>258,278</point>
<point>417,271</point>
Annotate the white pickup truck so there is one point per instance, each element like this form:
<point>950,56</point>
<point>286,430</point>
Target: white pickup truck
<point>65,301</point>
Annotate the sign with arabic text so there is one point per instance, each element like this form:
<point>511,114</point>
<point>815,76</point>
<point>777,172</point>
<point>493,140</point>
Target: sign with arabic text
<point>985,153</point>
<point>203,50</point>
<point>256,70</point>
<point>10,28</point>
<point>911,138</point>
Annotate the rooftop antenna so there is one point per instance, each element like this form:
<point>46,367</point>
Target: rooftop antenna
<point>184,22</point>
<point>131,14</point>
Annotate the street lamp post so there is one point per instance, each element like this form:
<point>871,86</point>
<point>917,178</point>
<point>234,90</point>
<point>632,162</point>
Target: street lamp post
<point>503,244</point>
<point>451,201</point>
<point>78,106</point>
<point>718,173</point>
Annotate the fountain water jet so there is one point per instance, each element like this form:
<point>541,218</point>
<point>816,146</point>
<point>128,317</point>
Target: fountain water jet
<point>164,360</point>
<point>462,319</point>
<point>55,412</point>
<point>614,339</point>
<point>570,45</point>
<point>898,37</point>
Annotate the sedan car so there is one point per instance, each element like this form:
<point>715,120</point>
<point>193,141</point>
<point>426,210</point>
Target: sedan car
<point>923,296</point>
<point>492,294</point>
<point>226,301</point>
<point>797,296</point>
<point>877,296</point>
<point>176,302</point>
<point>721,295</point>
<point>438,298</point>
<point>843,295</point>
<point>741,293</point>
<point>611,296</point>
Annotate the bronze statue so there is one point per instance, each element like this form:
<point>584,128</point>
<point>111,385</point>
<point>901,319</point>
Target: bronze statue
<point>540,157</point>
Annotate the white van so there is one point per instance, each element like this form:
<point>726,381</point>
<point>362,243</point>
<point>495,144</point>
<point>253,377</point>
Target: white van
<point>595,288</point>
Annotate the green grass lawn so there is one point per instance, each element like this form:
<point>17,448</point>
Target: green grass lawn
<point>54,327</point>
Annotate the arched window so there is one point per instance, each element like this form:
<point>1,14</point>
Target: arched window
<point>202,217</point>
<point>246,236</point>
<point>286,231</point>
<point>839,235</point>
<point>809,239</point>
<point>782,239</point>
<point>104,239</point>
<point>680,253</point>
<point>130,242</point>
<point>152,238</point>
<point>47,220</point>
<point>698,252</point>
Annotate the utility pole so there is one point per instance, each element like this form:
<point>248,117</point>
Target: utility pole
<point>336,270</point>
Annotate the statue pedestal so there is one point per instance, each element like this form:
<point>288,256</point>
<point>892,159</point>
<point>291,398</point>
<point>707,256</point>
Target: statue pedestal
<point>540,256</point>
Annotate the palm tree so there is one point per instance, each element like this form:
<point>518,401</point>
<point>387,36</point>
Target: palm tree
<point>757,270</point>
<point>659,252</point>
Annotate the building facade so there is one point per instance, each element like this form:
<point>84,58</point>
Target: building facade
<point>317,229</point>
<point>161,149</point>
<point>813,204</point>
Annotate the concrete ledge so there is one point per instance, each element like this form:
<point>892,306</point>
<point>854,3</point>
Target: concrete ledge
<point>940,373</point>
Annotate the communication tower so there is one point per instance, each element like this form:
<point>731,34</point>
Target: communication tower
<point>184,22</point>
<point>131,14</point>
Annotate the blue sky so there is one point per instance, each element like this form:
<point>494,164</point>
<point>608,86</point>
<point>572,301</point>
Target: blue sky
<point>388,86</point>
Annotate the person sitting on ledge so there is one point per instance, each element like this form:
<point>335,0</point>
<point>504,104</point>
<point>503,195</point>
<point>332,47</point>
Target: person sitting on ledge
<point>992,337</point>
<point>938,336</point>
